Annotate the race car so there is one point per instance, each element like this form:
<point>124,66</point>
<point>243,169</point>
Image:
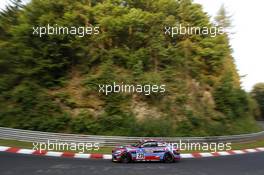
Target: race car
<point>147,150</point>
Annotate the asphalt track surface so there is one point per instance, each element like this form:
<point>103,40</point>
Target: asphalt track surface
<point>18,164</point>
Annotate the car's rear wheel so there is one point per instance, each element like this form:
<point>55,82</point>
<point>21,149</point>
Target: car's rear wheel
<point>168,158</point>
<point>126,158</point>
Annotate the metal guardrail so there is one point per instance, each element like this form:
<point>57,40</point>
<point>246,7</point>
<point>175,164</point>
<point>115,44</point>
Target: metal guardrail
<point>38,136</point>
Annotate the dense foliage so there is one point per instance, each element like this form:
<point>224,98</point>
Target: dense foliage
<point>258,94</point>
<point>50,83</point>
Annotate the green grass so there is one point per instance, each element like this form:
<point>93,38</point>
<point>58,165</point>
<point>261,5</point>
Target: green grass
<point>255,144</point>
<point>15,143</point>
<point>107,150</point>
<point>237,146</point>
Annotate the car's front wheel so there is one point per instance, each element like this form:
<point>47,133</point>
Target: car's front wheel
<point>168,158</point>
<point>126,158</point>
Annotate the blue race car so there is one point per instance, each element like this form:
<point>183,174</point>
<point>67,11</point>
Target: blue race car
<point>147,150</point>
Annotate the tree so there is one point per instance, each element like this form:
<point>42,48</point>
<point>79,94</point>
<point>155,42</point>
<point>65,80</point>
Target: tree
<point>231,101</point>
<point>258,94</point>
<point>138,70</point>
<point>223,19</point>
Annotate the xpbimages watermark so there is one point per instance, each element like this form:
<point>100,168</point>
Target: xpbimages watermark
<point>55,145</point>
<point>180,29</point>
<point>146,89</point>
<point>202,146</point>
<point>65,30</point>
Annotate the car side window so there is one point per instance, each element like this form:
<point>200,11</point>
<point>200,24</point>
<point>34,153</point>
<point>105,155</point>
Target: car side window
<point>161,144</point>
<point>145,145</point>
<point>154,144</point>
<point>150,144</point>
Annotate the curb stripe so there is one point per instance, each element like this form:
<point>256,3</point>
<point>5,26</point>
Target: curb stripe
<point>54,154</point>
<point>96,156</point>
<point>109,156</point>
<point>223,153</point>
<point>215,154</point>
<point>12,150</point>
<point>83,156</point>
<point>187,156</point>
<point>260,149</point>
<point>25,151</point>
<point>67,154</point>
<point>196,155</point>
<point>206,154</point>
<point>38,152</point>
<point>238,152</point>
<point>231,152</point>
<point>251,150</point>
<point>4,148</point>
